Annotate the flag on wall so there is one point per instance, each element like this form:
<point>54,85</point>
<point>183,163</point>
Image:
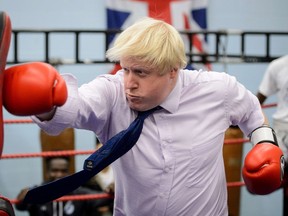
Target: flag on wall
<point>182,14</point>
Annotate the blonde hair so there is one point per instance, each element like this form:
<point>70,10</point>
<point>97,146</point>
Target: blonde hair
<point>152,41</point>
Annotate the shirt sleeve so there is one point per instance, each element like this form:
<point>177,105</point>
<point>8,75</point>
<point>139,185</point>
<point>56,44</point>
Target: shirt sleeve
<point>243,107</point>
<point>65,115</point>
<point>88,107</point>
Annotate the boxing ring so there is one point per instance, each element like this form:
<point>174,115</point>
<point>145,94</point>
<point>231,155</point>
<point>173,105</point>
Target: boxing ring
<point>220,53</point>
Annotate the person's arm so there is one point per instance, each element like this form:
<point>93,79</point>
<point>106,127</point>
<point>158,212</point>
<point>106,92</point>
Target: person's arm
<point>110,188</point>
<point>262,98</point>
<point>263,168</point>
<point>20,205</point>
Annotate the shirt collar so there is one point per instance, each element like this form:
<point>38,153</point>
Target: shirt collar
<point>171,103</point>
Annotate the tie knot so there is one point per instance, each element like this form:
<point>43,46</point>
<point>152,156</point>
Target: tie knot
<point>145,114</point>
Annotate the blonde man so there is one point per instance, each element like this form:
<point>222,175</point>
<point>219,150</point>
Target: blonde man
<point>176,166</point>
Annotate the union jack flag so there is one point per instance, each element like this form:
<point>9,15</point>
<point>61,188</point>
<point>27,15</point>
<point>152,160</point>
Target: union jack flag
<point>182,14</point>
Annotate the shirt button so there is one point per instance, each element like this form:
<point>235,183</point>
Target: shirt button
<point>167,169</point>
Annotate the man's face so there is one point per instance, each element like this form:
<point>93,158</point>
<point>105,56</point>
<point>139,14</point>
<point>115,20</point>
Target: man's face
<point>58,168</point>
<point>144,87</point>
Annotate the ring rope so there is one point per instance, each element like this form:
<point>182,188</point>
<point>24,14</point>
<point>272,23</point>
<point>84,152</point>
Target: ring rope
<point>17,121</point>
<point>235,184</point>
<point>83,152</point>
<point>269,105</point>
<point>235,141</point>
<point>77,197</point>
<point>48,154</point>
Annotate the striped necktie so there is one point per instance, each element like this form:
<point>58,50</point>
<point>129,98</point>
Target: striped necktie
<point>114,148</point>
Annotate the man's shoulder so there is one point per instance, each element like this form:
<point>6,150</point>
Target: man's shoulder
<point>281,61</point>
<point>278,65</point>
<point>198,76</point>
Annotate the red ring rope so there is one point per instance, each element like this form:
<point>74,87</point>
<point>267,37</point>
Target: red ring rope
<point>77,152</point>
<point>77,197</point>
<point>17,121</point>
<point>47,154</point>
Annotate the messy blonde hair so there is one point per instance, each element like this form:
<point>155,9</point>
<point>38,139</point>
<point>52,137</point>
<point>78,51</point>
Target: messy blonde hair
<point>152,41</point>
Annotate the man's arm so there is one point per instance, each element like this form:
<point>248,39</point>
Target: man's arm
<point>20,205</point>
<point>261,97</point>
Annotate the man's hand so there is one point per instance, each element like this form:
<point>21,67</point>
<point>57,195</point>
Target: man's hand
<point>263,169</point>
<point>32,89</point>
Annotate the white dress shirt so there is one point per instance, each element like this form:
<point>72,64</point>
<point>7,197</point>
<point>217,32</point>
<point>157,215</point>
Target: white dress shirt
<point>176,167</point>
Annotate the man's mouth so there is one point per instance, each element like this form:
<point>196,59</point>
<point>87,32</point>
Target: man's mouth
<point>132,97</point>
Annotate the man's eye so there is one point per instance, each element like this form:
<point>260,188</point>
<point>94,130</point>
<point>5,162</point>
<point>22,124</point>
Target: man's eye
<point>139,72</point>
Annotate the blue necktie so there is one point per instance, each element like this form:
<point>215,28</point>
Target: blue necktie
<point>108,153</point>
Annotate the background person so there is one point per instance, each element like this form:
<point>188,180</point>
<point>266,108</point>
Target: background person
<point>58,167</point>
<point>275,82</point>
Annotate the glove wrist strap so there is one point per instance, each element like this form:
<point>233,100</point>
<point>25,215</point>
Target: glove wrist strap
<point>262,134</point>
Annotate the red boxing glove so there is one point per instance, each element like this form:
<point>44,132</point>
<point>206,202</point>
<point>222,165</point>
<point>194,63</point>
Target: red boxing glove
<point>263,169</point>
<point>6,208</point>
<point>33,88</point>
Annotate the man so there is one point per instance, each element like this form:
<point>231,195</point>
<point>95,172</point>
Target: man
<point>275,82</point>
<point>58,167</point>
<point>176,167</point>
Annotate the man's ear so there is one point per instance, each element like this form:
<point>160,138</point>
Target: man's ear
<point>173,73</point>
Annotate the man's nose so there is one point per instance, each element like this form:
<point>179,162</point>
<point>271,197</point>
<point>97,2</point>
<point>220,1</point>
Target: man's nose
<point>130,81</point>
